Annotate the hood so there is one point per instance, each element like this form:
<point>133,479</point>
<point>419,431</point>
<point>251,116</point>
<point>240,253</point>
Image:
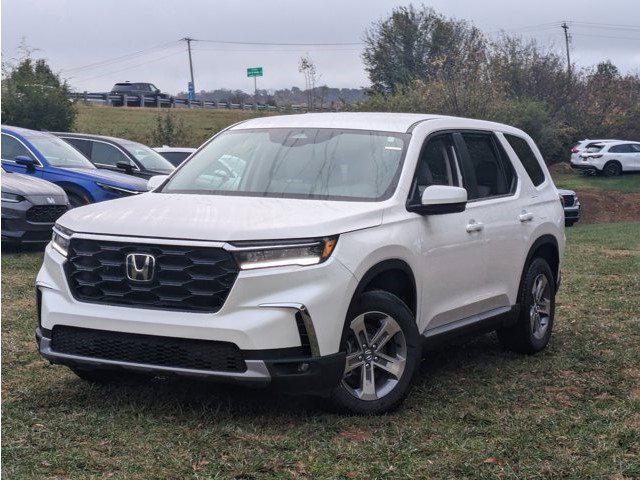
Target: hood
<point>29,186</point>
<point>221,218</point>
<point>117,178</point>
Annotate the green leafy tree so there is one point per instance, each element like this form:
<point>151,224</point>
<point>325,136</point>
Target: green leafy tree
<point>35,97</point>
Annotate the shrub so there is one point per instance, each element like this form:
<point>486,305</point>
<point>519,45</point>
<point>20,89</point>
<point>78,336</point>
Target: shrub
<point>35,97</point>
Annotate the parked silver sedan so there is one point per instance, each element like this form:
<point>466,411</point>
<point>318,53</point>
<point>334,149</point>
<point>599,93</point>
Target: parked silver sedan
<point>30,207</point>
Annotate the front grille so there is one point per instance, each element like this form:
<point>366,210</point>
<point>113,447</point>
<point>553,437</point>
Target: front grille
<point>568,200</point>
<point>184,278</point>
<point>45,213</point>
<point>148,349</point>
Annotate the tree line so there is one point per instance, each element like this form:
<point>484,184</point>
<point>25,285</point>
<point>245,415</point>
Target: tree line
<point>421,61</point>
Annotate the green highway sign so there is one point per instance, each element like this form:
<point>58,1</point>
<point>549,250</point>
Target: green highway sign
<point>254,72</point>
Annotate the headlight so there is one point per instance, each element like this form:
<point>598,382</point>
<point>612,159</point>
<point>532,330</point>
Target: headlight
<point>60,239</point>
<point>117,190</point>
<point>11,197</point>
<point>296,252</point>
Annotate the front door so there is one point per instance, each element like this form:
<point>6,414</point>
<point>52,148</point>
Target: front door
<point>452,268</point>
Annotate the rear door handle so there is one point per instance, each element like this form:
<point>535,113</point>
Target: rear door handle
<point>525,217</point>
<point>474,226</point>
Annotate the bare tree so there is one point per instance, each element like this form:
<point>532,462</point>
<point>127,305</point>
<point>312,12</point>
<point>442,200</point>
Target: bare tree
<point>308,69</point>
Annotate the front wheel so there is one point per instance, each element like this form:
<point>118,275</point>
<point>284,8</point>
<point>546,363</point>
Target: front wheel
<point>383,350</point>
<point>537,299</point>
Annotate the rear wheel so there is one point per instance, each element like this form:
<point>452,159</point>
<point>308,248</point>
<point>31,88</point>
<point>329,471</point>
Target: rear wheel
<point>612,169</point>
<point>532,331</point>
<point>383,349</point>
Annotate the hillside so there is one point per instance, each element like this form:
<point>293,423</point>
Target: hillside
<point>138,123</point>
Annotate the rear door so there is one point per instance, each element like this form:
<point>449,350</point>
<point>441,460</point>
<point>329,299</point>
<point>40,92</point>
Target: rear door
<point>496,209</point>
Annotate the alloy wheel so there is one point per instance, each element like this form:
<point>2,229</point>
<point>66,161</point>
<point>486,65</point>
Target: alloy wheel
<point>540,311</point>
<point>376,356</point>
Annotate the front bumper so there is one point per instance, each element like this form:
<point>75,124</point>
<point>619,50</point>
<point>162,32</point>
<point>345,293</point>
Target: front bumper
<point>16,229</point>
<point>318,375</point>
<point>264,309</point>
<point>572,214</point>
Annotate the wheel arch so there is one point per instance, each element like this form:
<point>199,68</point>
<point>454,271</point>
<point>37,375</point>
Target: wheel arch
<point>392,275</point>
<point>70,187</point>
<point>545,246</point>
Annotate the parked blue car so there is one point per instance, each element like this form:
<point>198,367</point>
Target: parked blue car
<point>46,156</point>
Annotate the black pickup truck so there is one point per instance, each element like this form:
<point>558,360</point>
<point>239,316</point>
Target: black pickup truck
<point>136,89</point>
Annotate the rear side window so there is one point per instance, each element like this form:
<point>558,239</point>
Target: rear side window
<point>488,167</point>
<point>83,145</point>
<point>175,158</point>
<point>625,148</point>
<point>527,158</point>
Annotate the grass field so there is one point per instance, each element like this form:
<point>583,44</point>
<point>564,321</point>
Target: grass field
<point>138,123</point>
<point>564,177</point>
<point>572,411</point>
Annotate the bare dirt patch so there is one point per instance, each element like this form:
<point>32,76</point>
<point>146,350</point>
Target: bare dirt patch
<point>608,206</point>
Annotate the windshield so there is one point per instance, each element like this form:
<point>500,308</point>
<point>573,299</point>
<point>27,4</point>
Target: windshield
<point>150,159</point>
<point>326,164</point>
<point>59,153</point>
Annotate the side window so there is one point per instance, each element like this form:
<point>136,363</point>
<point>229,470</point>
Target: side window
<point>436,165</point>
<point>527,158</point>
<point>12,148</point>
<point>494,174</point>
<point>625,148</point>
<point>635,147</point>
<point>105,154</point>
<point>83,145</point>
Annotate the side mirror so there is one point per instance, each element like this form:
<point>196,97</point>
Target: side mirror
<point>126,166</point>
<point>26,161</point>
<point>155,181</point>
<point>440,200</point>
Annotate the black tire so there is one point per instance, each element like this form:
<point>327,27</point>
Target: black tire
<point>76,200</point>
<point>104,376</point>
<point>342,399</point>
<point>521,337</point>
<point>612,169</point>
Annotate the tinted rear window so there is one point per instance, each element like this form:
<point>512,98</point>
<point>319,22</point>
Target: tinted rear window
<point>527,158</point>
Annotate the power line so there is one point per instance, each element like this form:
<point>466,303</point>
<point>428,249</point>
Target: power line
<point>612,26</point>
<point>606,36</point>
<point>127,68</point>
<point>273,44</point>
<point>120,58</point>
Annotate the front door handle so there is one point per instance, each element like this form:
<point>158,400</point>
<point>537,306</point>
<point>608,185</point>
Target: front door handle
<point>474,226</point>
<point>525,217</point>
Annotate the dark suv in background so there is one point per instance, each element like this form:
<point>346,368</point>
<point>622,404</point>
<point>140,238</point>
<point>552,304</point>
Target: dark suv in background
<point>149,90</point>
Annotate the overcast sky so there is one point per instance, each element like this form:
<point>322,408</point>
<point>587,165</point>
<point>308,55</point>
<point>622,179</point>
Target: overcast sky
<point>75,33</point>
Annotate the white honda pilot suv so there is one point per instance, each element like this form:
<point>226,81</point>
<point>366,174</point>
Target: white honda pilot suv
<point>318,253</point>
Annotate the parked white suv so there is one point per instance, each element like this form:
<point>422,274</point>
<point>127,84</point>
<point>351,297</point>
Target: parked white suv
<point>319,253</point>
<point>582,145</point>
<point>609,158</point>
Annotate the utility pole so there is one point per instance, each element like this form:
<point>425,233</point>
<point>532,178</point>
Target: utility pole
<point>565,27</point>
<point>192,84</point>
